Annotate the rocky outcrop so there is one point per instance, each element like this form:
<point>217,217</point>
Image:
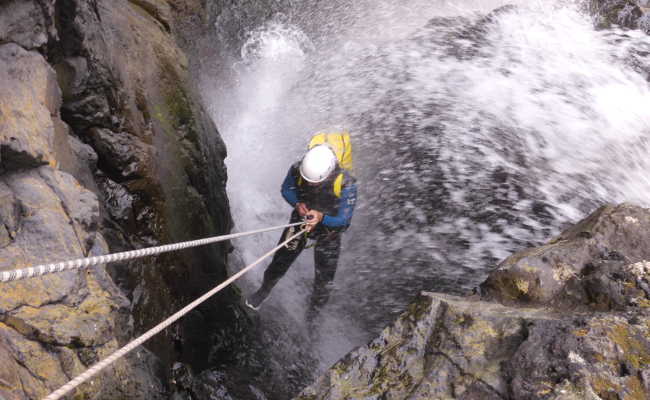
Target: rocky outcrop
<point>632,14</point>
<point>104,147</point>
<point>575,325</point>
<point>54,327</point>
<point>447,347</point>
<point>599,264</point>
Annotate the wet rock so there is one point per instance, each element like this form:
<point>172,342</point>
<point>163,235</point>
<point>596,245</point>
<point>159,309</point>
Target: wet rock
<point>212,385</point>
<point>624,13</point>
<point>30,98</point>
<point>597,264</point>
<point>586,356</point>
<point>159,9</point>
<point>122,154</point>
<point>53,326</point>
<point>118,201</point>
<point>9,215</point>
<point>23,22</point>
<point>644,22</point>
<point>431,351</point>
<point>87,111</point>
<point>80,162</point>
<point>447,347</point>
<point>207,385</point>
<point>589,340</point>
<point>135,134</point>
<point>160,170</point>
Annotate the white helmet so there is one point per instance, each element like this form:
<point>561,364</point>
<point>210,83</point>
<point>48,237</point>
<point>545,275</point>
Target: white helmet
<point>318,164</point>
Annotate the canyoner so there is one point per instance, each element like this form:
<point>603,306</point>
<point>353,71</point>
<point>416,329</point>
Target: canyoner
<point>322,190</point>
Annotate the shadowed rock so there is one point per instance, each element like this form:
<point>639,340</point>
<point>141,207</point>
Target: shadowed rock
<point>145,166</point>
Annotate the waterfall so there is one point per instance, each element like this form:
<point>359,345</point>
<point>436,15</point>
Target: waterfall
<point>477,131</point>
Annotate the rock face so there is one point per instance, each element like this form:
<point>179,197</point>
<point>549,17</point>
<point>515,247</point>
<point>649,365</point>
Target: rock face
<point>633,14</point>
<point>104,147</point>
<point>600,264</point>
<point>31,97</point>
<point>590,340</point>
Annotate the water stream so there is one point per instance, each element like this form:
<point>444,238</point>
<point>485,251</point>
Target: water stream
<point>476,133</point>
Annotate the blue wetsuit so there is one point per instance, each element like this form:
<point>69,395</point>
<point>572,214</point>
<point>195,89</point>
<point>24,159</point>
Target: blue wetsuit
<point>337,210</point>
<point>341,208</point>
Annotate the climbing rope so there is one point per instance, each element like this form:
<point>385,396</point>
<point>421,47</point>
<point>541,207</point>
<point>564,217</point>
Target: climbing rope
<point>43,269</point>
<point>135,343</point>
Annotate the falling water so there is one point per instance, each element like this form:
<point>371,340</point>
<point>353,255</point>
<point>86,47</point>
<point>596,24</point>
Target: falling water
<point>476,133</point>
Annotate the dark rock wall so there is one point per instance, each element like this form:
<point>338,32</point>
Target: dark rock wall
<point>104,146</point>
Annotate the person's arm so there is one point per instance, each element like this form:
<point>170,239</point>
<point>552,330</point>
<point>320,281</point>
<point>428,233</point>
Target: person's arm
<point>290,188</point>
<point>345,209</point>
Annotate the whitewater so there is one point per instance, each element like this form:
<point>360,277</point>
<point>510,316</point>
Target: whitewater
<point>478,130</point>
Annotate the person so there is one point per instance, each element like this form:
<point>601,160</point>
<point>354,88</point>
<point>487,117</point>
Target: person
<point>323,194</point>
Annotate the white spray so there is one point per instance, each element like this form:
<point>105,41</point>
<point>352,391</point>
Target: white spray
<point>537,96</point>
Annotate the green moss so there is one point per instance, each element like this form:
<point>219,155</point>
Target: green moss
<point>635,351</point>
<point>383,379</point>
<point>581,332</point>
<point>604,388</point>
<point>179,107</point>
<point>177,111</point>
<point>421,308</point>
<point>634,389</point>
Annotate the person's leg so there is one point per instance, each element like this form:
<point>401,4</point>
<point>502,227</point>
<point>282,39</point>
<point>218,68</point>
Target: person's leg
<point>326,256</point>
<point>279,266</point>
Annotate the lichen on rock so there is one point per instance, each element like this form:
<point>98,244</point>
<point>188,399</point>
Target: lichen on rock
<point>550,339</point>
<point>95,157</point>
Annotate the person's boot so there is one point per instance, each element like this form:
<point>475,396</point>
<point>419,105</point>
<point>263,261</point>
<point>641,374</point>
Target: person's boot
<point>255,300</point>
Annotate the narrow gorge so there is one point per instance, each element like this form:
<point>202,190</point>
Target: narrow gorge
<point>500,248</point>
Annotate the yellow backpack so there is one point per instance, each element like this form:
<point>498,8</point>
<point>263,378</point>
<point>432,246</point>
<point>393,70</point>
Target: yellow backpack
<point>340,143</point>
